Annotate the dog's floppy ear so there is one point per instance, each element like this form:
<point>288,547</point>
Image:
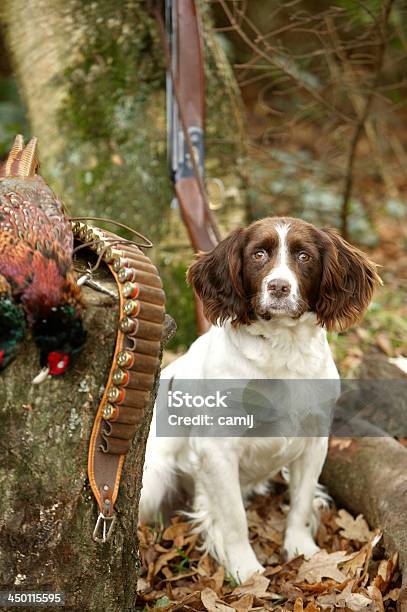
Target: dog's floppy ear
<point>216,277</point>
<point>348,281</point>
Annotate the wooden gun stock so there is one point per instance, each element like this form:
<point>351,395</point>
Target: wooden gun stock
<point>194,214</point>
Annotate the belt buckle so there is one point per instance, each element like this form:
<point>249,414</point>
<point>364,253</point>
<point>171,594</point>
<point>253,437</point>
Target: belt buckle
<point>102,526</point>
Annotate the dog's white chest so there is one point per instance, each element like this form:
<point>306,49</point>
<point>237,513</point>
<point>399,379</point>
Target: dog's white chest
<point>264,350</point>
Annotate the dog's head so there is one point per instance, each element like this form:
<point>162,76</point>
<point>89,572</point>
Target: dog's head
<point>284,267</point>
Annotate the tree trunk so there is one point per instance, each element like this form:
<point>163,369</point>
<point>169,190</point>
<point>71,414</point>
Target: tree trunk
<point>368,476</point>
<point>47,510</point>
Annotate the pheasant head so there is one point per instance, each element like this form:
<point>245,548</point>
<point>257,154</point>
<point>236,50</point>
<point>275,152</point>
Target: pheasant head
<point>59,337</point>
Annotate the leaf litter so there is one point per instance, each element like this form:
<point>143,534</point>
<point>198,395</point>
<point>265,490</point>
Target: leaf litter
<point>350,572</point>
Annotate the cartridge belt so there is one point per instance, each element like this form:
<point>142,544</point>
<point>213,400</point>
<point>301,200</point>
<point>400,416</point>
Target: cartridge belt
<point>135,364</point>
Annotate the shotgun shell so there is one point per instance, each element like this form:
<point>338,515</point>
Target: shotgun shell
<point>127,325</point>
<point>115,395</point>
<point>145,330</point>
<point>125,359</point>
<point>82,232</point>
<point>139,381</point>
<point>130,290</point>
<point>132,308</point>
<point>117,265</point>
<point>126,274</point>
<point>110,255</point>
<point>89,236</point>
<point>120,377</point>
<point>132,262</point>
<point>109,411</point>
<point>76,226</point>
<point>100,247</point>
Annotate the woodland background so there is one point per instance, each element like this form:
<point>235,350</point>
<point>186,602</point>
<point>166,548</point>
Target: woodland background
<point>315,101</point>
<point>306,116</point>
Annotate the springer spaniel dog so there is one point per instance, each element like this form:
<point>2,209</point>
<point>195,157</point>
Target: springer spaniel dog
<point>271,292</point>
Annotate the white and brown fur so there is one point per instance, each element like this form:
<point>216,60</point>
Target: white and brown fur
<point>271,291</point>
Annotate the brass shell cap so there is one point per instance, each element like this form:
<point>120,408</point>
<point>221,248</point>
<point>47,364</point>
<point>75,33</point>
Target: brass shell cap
<point>109,412</point>
<point>124,359</point>
<point>126,325</point>
<point>113,395</point>
<point>131,307</point>
<point>119,377</point>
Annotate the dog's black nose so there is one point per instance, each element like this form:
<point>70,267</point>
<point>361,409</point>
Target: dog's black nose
<point>279,288</point>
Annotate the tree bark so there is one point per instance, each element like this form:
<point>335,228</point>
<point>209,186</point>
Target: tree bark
<point>368,476</point>
<point>47,510</point>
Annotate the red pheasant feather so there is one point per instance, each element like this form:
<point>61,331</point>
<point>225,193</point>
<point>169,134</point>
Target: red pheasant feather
<point>36,270</point>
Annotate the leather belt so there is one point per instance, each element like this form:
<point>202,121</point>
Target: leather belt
<point>135,364</point>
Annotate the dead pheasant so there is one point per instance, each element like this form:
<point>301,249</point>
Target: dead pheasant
<point>37,283</point>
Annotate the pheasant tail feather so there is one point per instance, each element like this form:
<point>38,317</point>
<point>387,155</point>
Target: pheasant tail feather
<point>22,160</point>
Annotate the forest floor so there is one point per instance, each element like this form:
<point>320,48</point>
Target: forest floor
<point>350,572</point>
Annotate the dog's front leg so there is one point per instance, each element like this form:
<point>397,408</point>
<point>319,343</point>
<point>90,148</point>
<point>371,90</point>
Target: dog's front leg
<point>219,512</point>
<point>304,474</point>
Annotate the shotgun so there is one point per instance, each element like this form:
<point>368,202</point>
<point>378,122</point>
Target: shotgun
<point>183,47</point>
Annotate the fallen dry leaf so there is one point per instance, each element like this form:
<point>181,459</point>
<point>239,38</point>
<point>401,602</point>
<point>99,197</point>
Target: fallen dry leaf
<point>345,599</point>
<point>205,566</point>
<point>163,560</point>
<point>356,601</point>
<point>217,579</point>
<point>322,565</point>
<point>255,585</point>
<point>175,531</point>
<point>354,566</point>
<point>244,604</point>
<point>353,528</point>
<point>211,602</point>
<point>298,605</point>
<point>393,594</point>
<point>385,573</point>
<point>376,597</point>
<point>311,607</point>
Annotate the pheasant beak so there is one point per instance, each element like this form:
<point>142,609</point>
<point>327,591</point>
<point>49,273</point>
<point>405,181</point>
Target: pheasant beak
<point>41,376</point>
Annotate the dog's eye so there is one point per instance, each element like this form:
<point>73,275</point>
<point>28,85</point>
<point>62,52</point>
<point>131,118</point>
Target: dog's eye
<point>303,257</point>
<point>260,255</point>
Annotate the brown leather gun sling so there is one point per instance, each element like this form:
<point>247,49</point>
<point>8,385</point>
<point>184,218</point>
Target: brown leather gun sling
<point>135,364</point>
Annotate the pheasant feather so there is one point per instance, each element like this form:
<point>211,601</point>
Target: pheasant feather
<point>36,270</point>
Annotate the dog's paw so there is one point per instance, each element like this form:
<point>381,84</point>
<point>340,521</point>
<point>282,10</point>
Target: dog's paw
<point>241,563</point>
<point>242,571</point>
<point>298,542</point>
